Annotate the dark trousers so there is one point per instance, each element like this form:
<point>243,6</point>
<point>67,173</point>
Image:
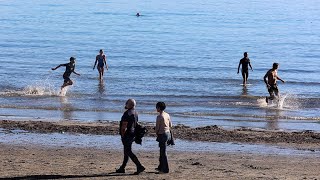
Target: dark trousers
<point>163,160</point>
<point>127,152</point>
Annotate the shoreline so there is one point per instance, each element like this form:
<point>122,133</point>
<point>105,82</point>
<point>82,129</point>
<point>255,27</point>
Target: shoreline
<point>308,140</point>
<point>29,160</point>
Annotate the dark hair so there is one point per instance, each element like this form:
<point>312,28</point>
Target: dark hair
<point>72,58</point>
<point>161,106</point>
<point>245,53</point>
<point>275,65</point>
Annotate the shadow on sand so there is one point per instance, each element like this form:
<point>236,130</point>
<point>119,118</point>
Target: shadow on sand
<point>112,174</point>
<point>66,176</point>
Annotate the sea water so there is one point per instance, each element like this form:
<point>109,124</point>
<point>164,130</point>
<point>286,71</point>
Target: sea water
<point>184,53</point>
<point>149,144</point>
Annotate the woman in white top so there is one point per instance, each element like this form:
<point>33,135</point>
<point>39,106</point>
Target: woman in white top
<point>163,125</point>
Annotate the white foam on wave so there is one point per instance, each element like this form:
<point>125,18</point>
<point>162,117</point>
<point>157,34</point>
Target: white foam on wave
<point>40,88</point>
<point>63,91</point>
<point>286,102</point>
<point>281,101</point>
<point>30,90</point>
<point>262,102</point>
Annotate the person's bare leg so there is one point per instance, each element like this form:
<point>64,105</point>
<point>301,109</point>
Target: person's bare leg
<point>271,97</point>
<point>64,85</point>
<point>247,75</point>
<point>244,77</point>
<point>100,73</point>
<point>277,95</point>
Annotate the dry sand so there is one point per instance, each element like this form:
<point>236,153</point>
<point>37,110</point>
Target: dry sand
<point>32,162</point>
<point>41,162</point>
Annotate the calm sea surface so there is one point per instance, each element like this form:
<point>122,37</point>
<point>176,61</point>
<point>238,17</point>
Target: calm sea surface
<point>183,52</point>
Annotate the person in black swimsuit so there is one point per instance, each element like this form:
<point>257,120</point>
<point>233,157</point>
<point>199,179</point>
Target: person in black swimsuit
<point>101,59</point>
<point>69,69</point>
<point>245,61</point>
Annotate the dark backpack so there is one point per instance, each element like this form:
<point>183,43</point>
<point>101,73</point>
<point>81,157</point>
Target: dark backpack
<point>139,133</point>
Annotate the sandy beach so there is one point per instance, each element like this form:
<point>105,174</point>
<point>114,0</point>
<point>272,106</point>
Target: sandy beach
<point>44,162</point>
<point>29,162</point>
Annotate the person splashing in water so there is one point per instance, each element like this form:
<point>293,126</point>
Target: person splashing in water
<point>270,79</point>
<point>69,69</point>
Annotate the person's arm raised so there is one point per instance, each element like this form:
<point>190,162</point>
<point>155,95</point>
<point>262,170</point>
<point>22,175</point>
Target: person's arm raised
<point>56,67</point>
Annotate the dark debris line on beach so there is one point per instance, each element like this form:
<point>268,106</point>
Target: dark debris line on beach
<point>208,133</point>
<point>52,127</point>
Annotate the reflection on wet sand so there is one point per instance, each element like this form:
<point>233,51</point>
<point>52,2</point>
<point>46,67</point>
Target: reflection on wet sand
<point>244,91</point>
<point>101,90</point>
<point>66,108</point>
<point>272,118</point>
<point>101,87</point>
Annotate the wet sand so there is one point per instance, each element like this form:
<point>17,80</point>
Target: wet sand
<point>44,162</point>
<point>303,140</point>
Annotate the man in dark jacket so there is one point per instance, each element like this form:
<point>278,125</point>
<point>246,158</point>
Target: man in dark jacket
<point>128,123</point>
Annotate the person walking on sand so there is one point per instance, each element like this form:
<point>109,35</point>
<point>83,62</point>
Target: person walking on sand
<point>162,129</point>
<point>101,59</point>
<point>69,69</point>
<point>128,123</point>
<point>270,79</point>
<point>245,61</point>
